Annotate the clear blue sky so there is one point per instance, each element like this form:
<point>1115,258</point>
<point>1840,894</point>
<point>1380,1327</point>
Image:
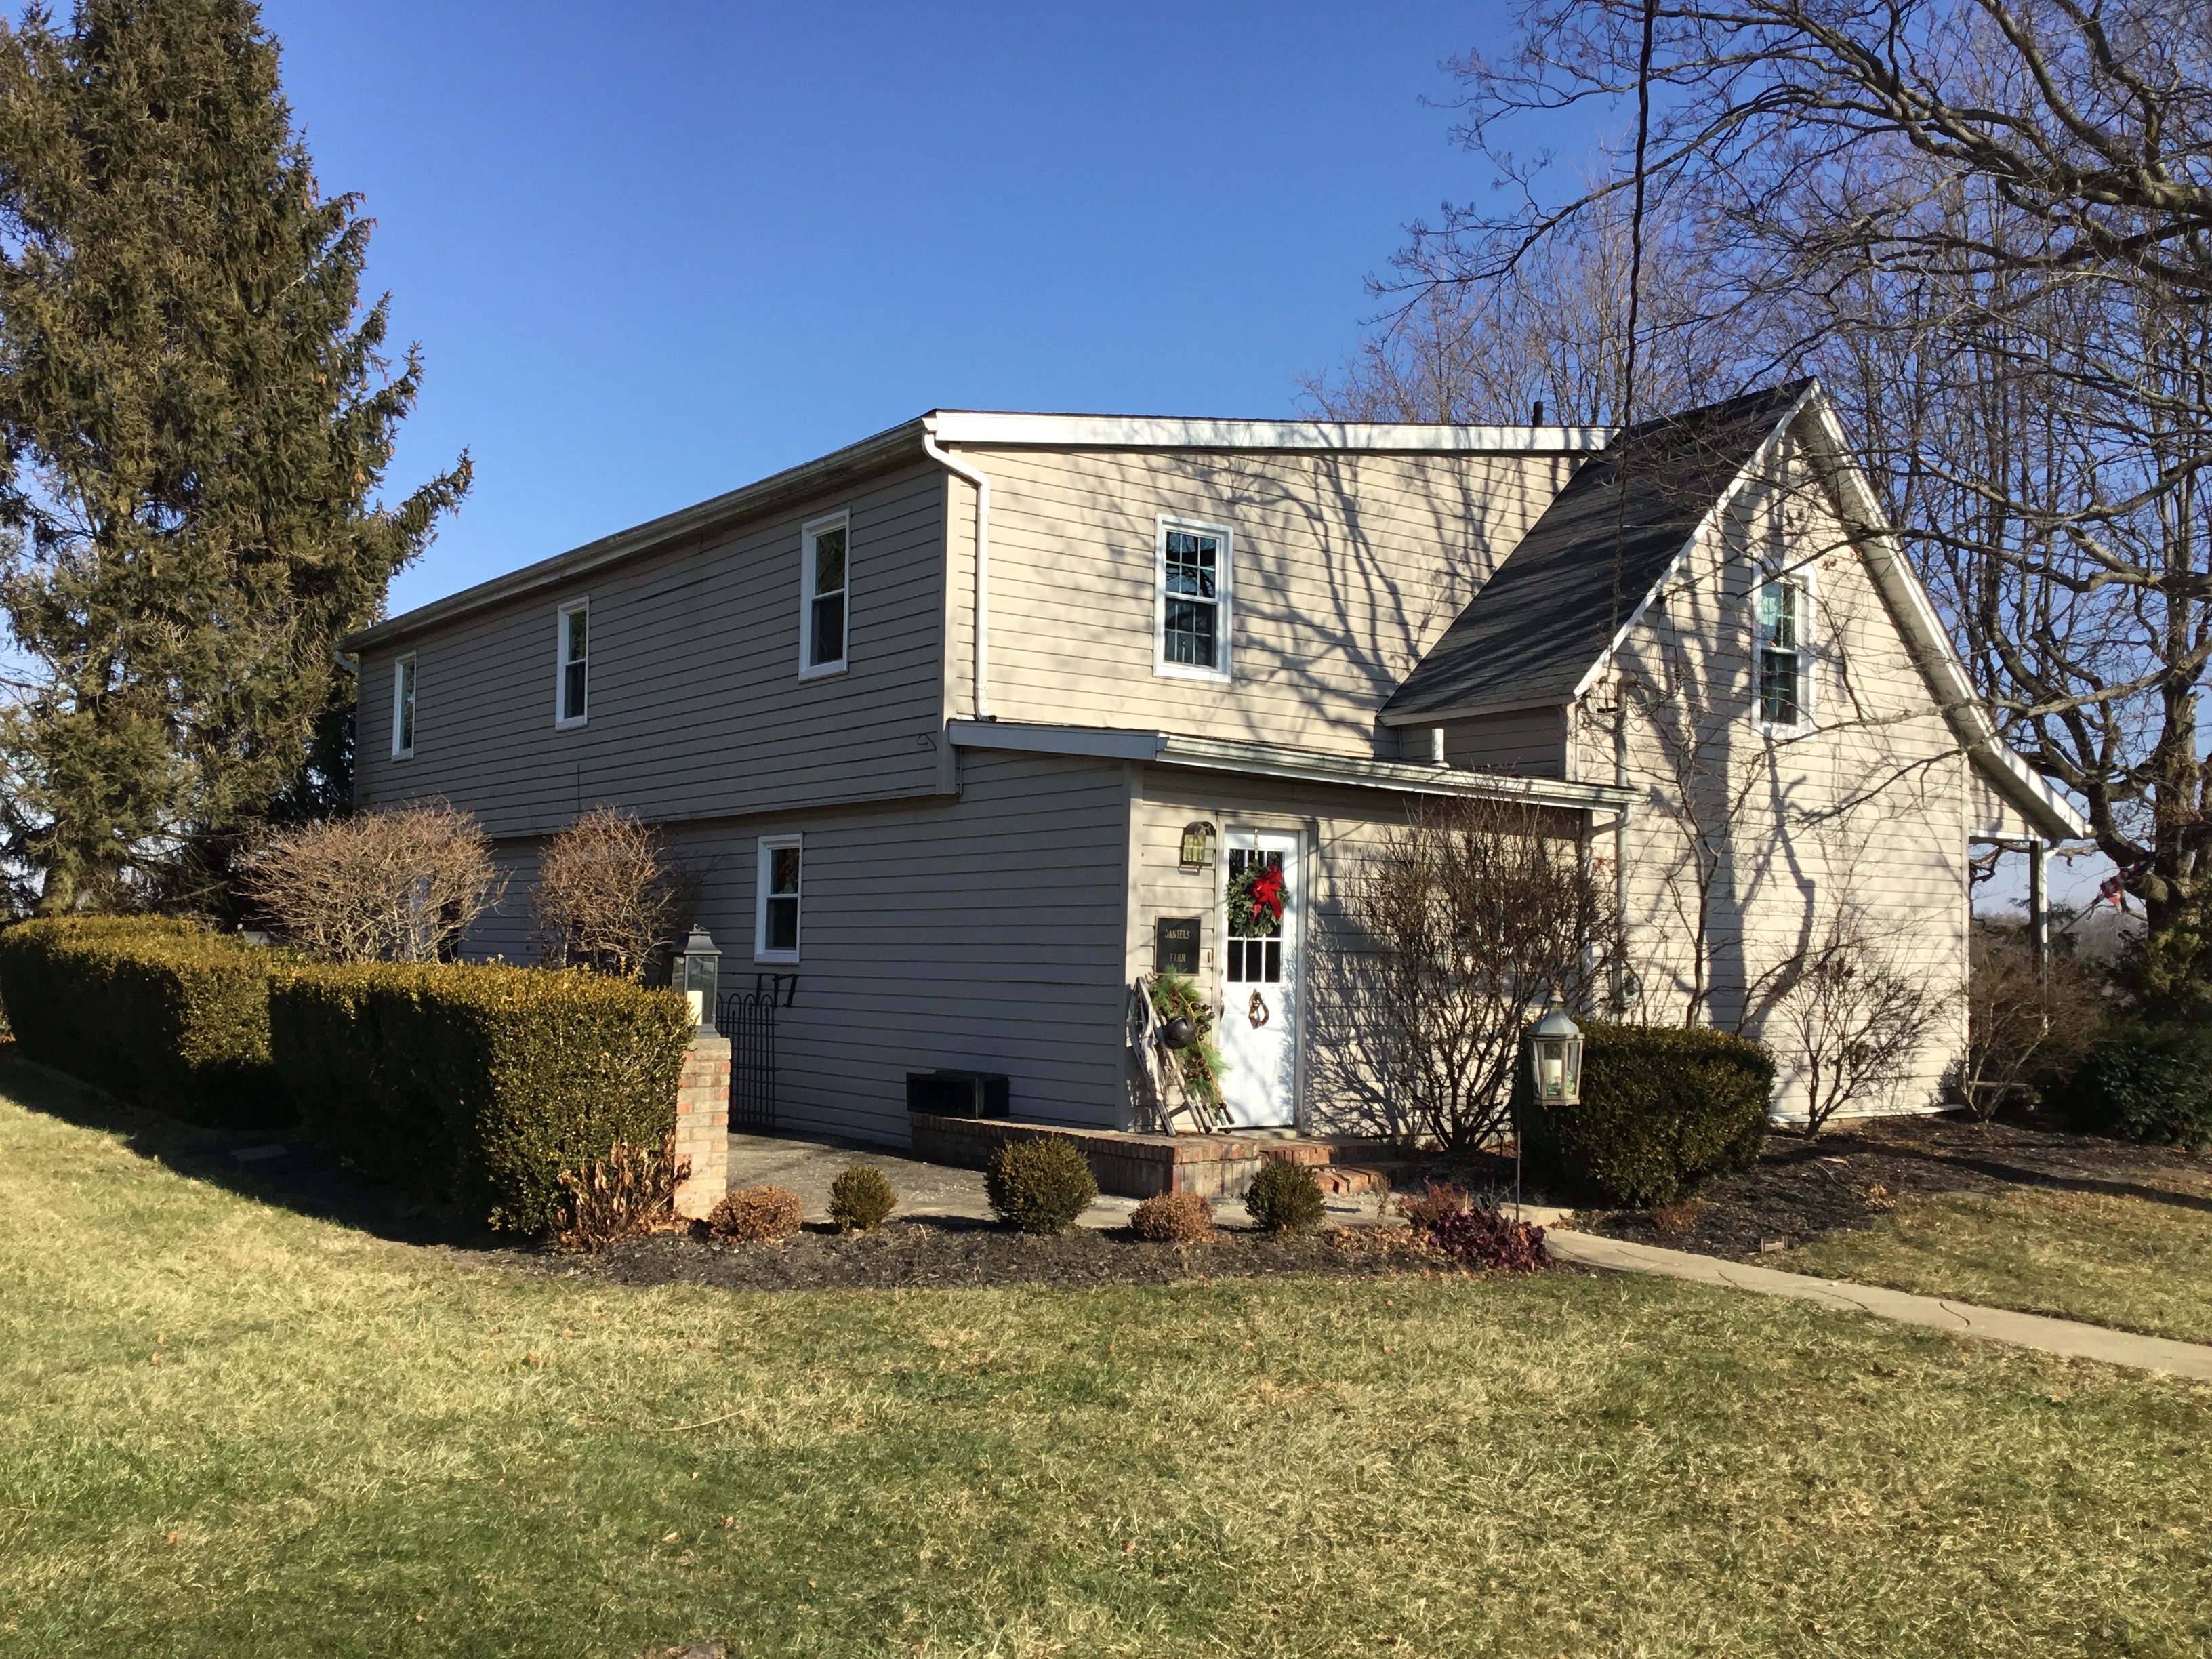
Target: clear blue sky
<point>652,253</point>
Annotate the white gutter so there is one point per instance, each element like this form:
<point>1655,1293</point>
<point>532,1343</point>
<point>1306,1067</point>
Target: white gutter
<point>982,482</point>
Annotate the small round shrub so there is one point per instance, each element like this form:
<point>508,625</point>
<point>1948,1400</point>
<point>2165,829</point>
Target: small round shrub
<point>756,1215</point>
<point>1284,1196</point>
<point>2151,1083</point>
<point>1041,1186</point>
<point>1174,1218</point>
<point>861,1198</point>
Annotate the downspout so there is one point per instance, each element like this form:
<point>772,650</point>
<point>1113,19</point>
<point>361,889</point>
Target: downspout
<point>982,694</point>
<point>1623,974</point>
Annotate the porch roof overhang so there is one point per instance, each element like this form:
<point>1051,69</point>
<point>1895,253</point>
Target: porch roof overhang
<point>1271,760</point>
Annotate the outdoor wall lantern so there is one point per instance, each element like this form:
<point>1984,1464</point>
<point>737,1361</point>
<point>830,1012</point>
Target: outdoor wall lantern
<point>1198,846</point>
<point>696,970</point>
<point>1555,1057</point>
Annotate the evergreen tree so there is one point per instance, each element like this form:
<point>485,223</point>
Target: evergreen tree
<point>198,418</point>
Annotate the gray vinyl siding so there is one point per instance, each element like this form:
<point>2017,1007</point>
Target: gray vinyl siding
<point>696,709</point>
<point>982,933</point>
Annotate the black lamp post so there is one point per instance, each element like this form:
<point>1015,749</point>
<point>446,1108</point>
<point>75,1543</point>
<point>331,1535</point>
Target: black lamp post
<point>1555,1072</point>
<point>698,968</point>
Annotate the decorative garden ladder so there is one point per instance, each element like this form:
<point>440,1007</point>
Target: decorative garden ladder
<point>1158,1067</point>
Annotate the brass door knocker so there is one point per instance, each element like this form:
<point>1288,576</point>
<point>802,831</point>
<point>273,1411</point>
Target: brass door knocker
<point>1257,1011</point>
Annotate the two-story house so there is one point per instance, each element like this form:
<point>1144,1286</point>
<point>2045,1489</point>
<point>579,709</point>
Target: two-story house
<point>950,722</point>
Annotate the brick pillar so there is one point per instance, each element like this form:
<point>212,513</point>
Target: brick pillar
<point>702,1124</point>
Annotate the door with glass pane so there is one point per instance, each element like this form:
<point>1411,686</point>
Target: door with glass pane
<point>1259,979</point>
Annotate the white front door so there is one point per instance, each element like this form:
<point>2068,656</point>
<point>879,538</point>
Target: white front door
<point>1259,979</point>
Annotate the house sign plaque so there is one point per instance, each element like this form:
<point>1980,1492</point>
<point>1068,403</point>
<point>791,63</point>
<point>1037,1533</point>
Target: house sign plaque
<point>1175,944</point>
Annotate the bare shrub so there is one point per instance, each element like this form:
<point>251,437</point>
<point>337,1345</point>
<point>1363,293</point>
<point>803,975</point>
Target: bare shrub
<point>1174,1218</point>
<point>2025,1029</point>
<point>756,1215</point>
<point>607,898</point>
<point>631,1190</point>
<point>1476,910</point>
<point>1854,1020</point>
<point>400,885</point>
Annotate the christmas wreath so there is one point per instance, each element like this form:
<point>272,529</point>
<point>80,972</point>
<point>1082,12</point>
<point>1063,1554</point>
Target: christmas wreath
<point>1255,901</point>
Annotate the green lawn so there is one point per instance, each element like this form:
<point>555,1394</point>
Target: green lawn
<point>353,1447</point>
<point>2140,1264</point>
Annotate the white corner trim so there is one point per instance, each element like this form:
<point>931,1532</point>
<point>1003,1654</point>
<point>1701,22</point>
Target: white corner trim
<point>985,428</point>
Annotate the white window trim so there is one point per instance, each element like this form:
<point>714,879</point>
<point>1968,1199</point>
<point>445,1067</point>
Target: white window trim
<point>1808,656</point>
<point>769,845</point>
<point>561,661</point>
<point>1224,584</point>
<point>840,519</point>
<point>403,669</point>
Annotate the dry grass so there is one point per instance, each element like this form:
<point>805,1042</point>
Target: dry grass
<point>226,1428</point>
<point>2139,1264</point>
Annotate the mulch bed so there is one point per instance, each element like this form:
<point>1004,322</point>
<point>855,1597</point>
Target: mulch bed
<point>1846,1178</point>
<point>944,1253</point>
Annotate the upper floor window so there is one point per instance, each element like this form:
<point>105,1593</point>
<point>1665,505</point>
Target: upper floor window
<point>1192,620</point>
<point>775,917</point>
<point>403,706</point>
<point>1782,651</point>
<point>823,588</point>
<point>572,697</point>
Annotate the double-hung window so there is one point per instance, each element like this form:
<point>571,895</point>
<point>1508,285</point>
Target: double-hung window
<point>403,708</point>
<point>825,587</point>
<point>1782,665</point>
<point>1192,625</point>
<point>775,917</point>
<point>572,692</point>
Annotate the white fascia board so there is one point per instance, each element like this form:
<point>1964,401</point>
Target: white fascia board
<point>1963,708</point>
<point>979,428</point>
<point>1711,520</point>
<point>1275,761</point>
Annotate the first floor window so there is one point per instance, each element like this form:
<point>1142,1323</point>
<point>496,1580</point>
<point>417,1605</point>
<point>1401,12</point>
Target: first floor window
<point>573,695</point>
<point>822,579</point>
<point>1781,652</point>
<point>403,706</point>
<point>775,931</point>
<point>1194,599</point>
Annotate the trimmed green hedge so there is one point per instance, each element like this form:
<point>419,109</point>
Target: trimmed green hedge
<point>1663,1111</point>
<point>479,1083</point>
<point>161,1013</point>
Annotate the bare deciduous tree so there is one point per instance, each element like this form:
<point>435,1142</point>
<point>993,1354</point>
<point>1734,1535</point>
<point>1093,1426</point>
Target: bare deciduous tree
<point>1987,225</point>
<point>1476,911</point>
<point>402,885</point>
<point>2023,1023</point>
<point>606,896</point>
<point>1854,1018</point>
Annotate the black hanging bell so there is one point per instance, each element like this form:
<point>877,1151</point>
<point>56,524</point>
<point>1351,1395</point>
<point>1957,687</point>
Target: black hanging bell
<point>1178,1033</point>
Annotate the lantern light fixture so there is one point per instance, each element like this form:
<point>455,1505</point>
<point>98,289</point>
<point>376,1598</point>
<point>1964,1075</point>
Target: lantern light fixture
<point>1198,846</point>
<point>1555,1057</point>
<point>698,968</point>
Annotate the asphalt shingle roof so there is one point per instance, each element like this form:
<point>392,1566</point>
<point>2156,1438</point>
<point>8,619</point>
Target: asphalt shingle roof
<point>1549,613</point>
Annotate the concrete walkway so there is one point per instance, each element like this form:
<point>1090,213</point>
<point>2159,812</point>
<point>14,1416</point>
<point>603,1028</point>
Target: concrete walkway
<point>2059,1336</point>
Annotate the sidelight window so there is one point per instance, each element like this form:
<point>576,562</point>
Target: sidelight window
<point>824,588</point>
<point>572,693</point>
